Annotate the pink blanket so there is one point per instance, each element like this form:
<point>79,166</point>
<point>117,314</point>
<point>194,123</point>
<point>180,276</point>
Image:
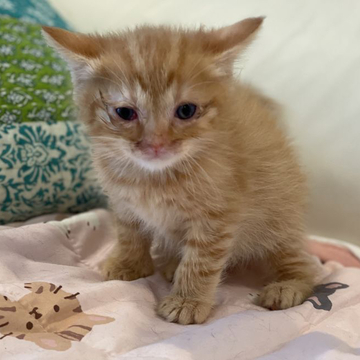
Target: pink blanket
<point>54,304</point>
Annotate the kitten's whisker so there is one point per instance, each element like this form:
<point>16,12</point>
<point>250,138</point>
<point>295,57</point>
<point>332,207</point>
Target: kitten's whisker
<point>207,178</point>
<point>110,80</point>
<point>200,83</point>
<point>205,68</point>
<point>194,66</point>
<point>217,144</point>
<point>191,175</point>
<point>123,74</point>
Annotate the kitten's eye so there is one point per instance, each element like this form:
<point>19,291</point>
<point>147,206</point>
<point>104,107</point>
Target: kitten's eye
<point>186,111</point>
<point>126,113</point>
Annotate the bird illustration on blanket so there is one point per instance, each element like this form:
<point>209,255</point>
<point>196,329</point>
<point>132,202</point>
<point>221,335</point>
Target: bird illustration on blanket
<point>320,298</point>
<point>47,316</point>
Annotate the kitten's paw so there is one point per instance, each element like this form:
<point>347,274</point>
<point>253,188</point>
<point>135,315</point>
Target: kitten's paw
<point>115,270</point>
<point>284,294</point>
<point>184,310</point>
<point>169,269</point>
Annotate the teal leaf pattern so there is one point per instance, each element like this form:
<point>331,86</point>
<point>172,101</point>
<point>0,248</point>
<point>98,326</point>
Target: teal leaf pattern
<point>37,11</point>
<point>45,167</point>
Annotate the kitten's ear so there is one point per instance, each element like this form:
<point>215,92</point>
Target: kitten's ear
<point>80,51</point>
<point>227,42</point>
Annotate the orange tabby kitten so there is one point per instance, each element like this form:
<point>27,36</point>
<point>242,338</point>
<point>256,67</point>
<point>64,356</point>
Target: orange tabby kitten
<point>192,160</point>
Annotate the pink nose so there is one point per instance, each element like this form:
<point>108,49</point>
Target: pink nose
<point>156,147</point>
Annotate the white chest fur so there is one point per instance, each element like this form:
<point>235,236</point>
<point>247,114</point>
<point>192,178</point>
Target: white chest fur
<point>157,209</point>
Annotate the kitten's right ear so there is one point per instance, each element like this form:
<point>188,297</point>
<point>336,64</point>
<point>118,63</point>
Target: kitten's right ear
<point>80,51</point>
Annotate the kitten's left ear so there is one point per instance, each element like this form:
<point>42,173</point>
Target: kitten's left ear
<point>79,50</point>
<point>226,43</point>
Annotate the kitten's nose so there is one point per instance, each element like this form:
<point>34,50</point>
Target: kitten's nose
<point>156,147</point>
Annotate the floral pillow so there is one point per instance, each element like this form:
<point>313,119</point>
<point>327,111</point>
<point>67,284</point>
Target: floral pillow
<point>45,163</point>
<point>38,11</point>
<point>45,167</point>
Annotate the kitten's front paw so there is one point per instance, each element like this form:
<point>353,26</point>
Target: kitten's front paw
<point>115,270</point>
<point>283,295</point>
<point>184,310</point>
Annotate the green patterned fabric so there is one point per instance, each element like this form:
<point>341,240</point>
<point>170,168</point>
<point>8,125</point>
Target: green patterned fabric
<point>45,168</point>
<point>34,82</point>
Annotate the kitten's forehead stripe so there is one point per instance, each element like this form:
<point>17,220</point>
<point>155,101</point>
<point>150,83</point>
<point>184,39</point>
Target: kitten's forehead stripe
<point>153,64</point>
<point>138,60</point>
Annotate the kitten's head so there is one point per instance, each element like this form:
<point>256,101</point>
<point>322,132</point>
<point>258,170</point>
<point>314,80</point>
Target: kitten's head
<point>154,96</point>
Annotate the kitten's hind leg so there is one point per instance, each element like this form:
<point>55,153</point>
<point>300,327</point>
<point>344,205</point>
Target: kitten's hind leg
<point>294,280</point>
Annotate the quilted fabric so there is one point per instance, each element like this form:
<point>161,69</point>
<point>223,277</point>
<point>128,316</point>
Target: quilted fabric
<point>45,167</point>
<point>34,82</point>
<point>43,261</point>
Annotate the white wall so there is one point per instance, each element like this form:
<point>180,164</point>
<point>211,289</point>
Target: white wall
<point>307,57</point>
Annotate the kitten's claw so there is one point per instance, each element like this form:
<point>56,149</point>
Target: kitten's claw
<point>114,270</point>
<point>184,310</point>
<point>283,295</point>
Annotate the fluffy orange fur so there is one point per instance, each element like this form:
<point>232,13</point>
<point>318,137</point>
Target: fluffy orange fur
<point>225,187</point>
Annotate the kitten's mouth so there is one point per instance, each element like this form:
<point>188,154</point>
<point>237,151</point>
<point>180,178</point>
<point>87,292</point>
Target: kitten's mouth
<point>156,157</point>
<point>157,150</point>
